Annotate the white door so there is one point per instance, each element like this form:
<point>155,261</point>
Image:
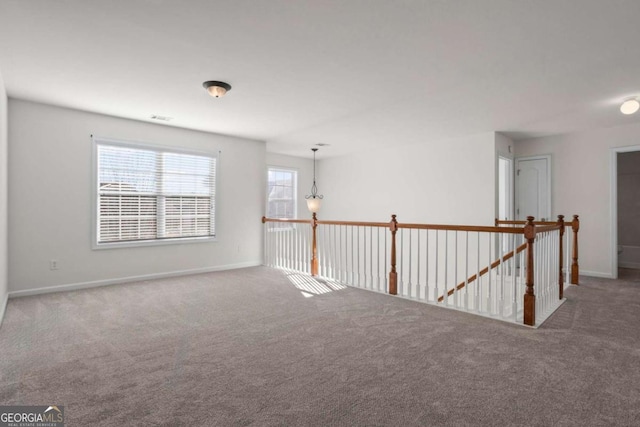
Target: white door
<point>533,188</point>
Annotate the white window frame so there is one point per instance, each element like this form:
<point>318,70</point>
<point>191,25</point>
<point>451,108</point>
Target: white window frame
<point>295,194</point>
<point>96,140</point>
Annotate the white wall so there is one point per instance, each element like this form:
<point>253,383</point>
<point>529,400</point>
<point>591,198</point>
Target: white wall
<point>50,201</point>
<point>448,182</point>
<point>305,177</point>
<point>581,173</point>
<point>4,289</point>
<point>504,145</point>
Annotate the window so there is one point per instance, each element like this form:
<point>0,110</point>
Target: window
<point>149,194</point>
<point>282,187</point>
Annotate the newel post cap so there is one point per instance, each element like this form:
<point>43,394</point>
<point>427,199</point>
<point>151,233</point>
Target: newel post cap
<point>393,225</point>
<point>530,229</point>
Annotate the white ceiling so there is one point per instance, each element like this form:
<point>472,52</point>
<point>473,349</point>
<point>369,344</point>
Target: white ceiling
<point>356,74</point>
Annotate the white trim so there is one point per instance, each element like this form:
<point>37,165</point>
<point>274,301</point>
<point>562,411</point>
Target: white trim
<point>295,187</point>
<point>284,168</point>
<point>93,179</point>
<point>549,187</point>
<point>106,282</point>
<point>632,261</point>
<point>3,308</point>
<point>156,242</point>
<point>97,140</point>
<point>216,194</point>
<point>152,146</point>
<point>633,265</point>
<point>598,274</point>
<point>613,208</point>
<point>510,186</point>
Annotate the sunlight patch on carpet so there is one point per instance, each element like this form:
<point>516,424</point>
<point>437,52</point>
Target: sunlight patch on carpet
<point>310,286</point>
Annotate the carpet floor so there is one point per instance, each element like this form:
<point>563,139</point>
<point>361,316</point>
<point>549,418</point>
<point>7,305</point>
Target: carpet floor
<point>263,347</point>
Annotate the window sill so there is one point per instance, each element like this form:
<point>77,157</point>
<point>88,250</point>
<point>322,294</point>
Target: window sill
<point>159,242</point>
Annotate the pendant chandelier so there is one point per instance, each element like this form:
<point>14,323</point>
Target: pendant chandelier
<point>313,200</point>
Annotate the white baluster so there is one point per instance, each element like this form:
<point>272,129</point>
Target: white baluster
<point>418,260</point>
<point>466,272</point>
<point>490,288</point>
<point>436,284</point>
<point>427,291</point>
<point>445,292</point>
<point>456,297</point>
<point>477,284</point>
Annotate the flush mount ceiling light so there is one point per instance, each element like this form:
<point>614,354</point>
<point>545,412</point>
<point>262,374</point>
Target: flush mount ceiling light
<point>217,89</point>
<point>630,106</point>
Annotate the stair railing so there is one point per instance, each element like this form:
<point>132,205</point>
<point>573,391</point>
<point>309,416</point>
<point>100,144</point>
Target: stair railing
<point>570,243</point>
<point>484,270</point>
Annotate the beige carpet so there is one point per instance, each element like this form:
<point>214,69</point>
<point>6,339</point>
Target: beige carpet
<point>247,347</point>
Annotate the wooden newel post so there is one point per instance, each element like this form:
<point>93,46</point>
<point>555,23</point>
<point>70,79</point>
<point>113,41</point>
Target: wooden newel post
<point>575,270</point>
<point>393,275</point>
<point>561,257</point>
<point>314,246</point>
<point>529,296</point>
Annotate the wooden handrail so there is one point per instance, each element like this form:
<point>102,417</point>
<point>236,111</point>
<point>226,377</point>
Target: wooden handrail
<point>521,222</point>
<point>479,228</point>
<point>575,227</point>
<point>295,221</point>
<point>485,270</point>
<point>476,228</point>
<point>328,222</point>
<point>499,222</point>
<point>355,223</point>
<point>546,228</point>
<point>529,231</point>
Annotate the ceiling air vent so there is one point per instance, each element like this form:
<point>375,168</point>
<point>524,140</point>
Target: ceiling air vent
<point>161,118</point>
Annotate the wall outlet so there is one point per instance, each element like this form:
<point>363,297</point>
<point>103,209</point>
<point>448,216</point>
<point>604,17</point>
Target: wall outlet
<point>53,264</point>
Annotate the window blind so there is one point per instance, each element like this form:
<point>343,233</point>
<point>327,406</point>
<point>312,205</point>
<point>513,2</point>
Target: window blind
<point>151,194</point>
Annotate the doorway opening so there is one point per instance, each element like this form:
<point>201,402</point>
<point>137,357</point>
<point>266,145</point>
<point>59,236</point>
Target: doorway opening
<point>626,212</point>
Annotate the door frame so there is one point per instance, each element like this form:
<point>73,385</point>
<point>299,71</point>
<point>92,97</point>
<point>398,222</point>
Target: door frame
<point>613,209</point>
<point>510,184</point>
<point>546,157</point>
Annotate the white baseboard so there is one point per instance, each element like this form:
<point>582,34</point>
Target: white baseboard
<point>634,265</point>
<point>3,308</point>
<point>106,282</point>
<point>596,274</point>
